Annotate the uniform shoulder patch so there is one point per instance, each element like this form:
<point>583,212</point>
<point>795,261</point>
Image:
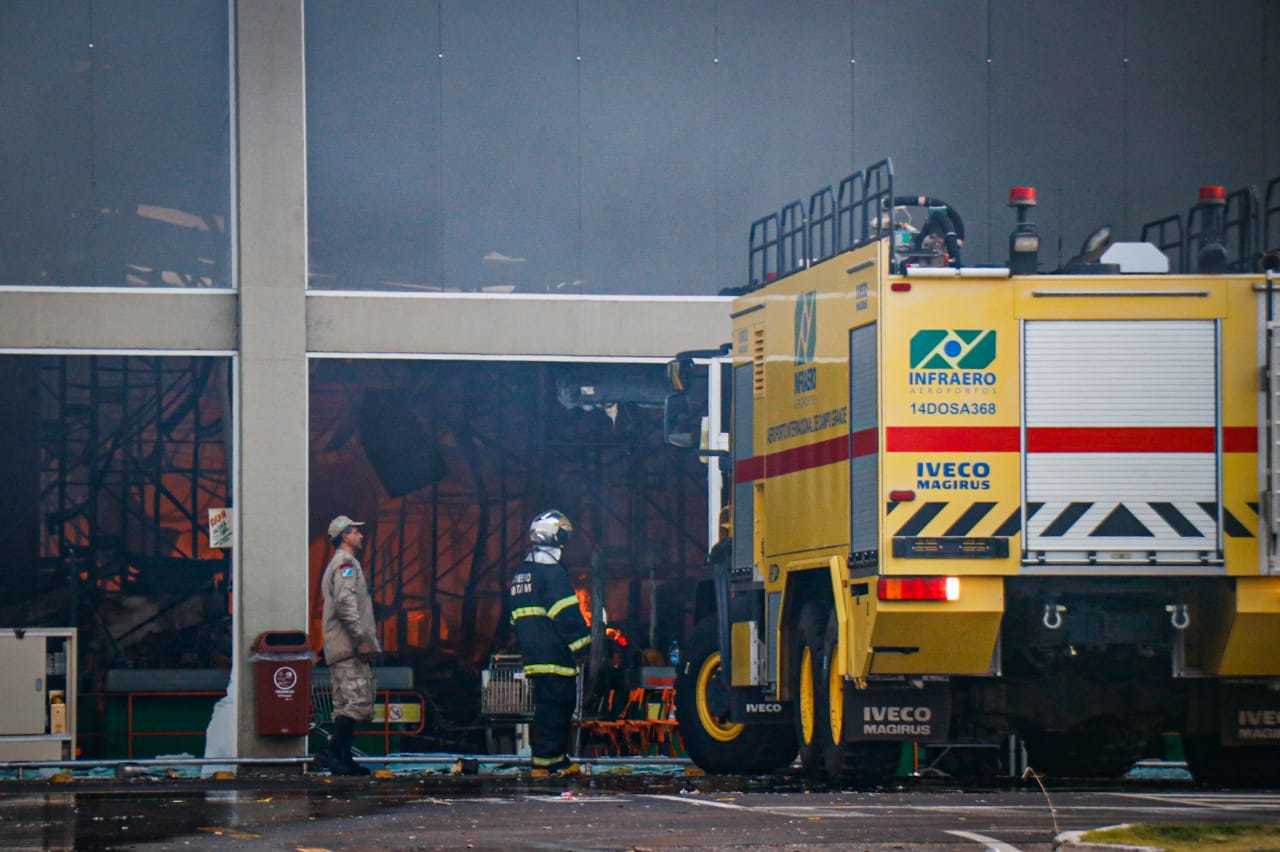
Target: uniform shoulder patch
<point>348,571</point>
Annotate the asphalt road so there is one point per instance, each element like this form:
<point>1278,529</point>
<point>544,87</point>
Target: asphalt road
<point>597,813</point>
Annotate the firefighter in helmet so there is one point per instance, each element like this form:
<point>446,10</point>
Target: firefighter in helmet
<point>552,635</point>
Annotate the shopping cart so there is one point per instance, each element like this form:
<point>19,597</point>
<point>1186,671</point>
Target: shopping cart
<point>506,699</point>
<point>396,711</point>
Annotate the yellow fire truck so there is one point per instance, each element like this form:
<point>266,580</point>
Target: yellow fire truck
<point>991,505</point>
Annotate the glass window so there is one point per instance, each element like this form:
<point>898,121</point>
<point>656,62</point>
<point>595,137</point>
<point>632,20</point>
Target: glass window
<point>447,462</point>
<point>115,165</point>
<point>116,472</point>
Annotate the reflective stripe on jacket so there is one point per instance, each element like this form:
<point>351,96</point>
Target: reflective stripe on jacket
<point>549,626</point>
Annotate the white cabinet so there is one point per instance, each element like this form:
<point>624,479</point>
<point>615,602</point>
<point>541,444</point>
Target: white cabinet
<point>37,694</point>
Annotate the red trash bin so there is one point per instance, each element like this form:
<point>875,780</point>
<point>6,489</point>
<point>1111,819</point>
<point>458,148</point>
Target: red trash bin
<point>282,662</point>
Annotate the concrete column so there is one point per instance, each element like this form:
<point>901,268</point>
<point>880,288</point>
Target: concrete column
<point>271,592</point>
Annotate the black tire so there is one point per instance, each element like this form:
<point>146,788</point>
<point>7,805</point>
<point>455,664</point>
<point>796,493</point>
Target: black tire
<point>713,744</point>
<point>847,764</point>
<point>1213,764</point>
<point>807,693</point>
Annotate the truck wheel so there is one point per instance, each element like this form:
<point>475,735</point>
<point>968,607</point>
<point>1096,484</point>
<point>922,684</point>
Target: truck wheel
<point>808,689</point>
<point>702,700</point>
<point>852,764</point>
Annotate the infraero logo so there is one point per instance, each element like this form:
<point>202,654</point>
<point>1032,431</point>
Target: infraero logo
<point>952,349</point>
<point>807,327</point>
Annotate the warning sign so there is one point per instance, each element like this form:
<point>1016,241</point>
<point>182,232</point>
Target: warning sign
<point>220,528</point>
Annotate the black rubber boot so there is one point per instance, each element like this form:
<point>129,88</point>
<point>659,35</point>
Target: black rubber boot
<point>343,733</point>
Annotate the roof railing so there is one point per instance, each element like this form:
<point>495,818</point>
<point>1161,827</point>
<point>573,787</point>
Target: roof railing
<point>795,238</point>
<point>1250,230</point>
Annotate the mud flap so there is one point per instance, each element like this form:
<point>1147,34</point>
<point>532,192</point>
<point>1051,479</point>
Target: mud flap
<point>751,704</point>
<point>883,712</point>
<point>1250,715</point>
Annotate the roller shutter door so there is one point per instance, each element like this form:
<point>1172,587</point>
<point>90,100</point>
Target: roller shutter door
<point>864,449</point>
<point>1121,444</point>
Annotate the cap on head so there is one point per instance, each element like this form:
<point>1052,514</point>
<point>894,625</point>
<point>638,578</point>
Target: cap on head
<point>341,524</point>
<point>550,529</point>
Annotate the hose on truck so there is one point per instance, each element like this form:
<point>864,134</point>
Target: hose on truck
<point>943,220</point>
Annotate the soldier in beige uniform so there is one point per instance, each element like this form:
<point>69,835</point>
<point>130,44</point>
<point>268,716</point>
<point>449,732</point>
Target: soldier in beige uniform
<point>350,642</point>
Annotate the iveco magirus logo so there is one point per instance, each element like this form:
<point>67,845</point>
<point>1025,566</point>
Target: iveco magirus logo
<point>806,380</point>
<point>941,356</point>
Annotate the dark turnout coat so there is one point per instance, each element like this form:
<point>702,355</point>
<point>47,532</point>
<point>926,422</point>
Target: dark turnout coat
<point>549,626</point>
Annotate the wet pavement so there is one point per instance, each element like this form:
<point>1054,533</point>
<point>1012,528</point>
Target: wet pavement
<point>614,812</point>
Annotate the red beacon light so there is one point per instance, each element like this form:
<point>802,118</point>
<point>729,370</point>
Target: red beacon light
<point>1022,196</point>
<point>1213,194</point>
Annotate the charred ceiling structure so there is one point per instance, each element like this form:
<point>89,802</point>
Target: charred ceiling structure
<point>448,461</point>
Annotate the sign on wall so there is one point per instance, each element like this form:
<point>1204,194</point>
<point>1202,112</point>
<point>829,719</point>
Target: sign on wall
<point>220,528</point>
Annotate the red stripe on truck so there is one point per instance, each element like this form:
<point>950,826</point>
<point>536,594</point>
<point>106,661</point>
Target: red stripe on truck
<point>818,454</point>
<point>998,439</point>
<point>1120,439</point>
<point>864,443</point>
<point>1239,439</point>
<point>952,439</point>
<point>1069,439</point>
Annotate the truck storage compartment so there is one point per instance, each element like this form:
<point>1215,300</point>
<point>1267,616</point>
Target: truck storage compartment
<point>1122,441</point>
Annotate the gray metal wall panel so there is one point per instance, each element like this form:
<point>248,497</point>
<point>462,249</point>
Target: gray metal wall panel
<point>785,113</point>
<point>376,215</point>
<point>1057,118</point>
<point>1196,96</point>
<point>743,448</point>
<point>648,150</point>
<point>926,106</point>
<point>510,136</point>
<point>864,470</point>
<point>115,160</point>
<point>1271,83</point>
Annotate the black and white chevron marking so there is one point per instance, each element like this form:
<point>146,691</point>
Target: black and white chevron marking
<point>1185,520</point>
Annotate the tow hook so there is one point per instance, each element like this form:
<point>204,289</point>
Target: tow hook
<point>1179,616</point>
<point>1052,618</point>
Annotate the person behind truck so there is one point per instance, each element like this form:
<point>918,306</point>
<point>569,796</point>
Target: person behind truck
<point>552,634</point>
<point>350,644</point>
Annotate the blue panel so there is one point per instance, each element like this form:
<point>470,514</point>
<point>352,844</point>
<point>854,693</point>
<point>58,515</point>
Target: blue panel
<point>784,113</point>
<point>648,146</point>
<point>511,154</point>
<point>926,106</point>
<point>1196,101</point>
<point>1057,118</point>
<point>115,161</point>
<point>373,149</point>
